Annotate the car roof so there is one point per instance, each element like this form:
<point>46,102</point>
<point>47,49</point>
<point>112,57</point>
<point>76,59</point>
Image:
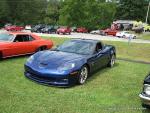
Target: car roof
<point>19,33</point>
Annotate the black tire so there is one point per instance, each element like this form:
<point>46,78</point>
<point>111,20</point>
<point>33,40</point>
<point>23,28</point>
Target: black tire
<point>1,56</point>
<point>123,36</point>
<point>42,48</point>
<point>83,75</point>
<point>145,106</point>
<point>134,37</point>
<point>112,60</point>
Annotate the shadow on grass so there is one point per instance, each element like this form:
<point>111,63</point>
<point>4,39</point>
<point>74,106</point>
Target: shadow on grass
<point>97,73</point>
<point>14,58</point>
<point>146,111</point>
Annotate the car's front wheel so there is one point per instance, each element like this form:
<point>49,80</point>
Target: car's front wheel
<point>112,61</point>
<point>83,75</point>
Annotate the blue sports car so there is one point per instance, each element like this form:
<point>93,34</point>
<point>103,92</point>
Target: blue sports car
<point>70,63</point>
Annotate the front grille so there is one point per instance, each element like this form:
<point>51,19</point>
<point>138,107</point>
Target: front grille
<point>42,78</point>
<point>46,79</point>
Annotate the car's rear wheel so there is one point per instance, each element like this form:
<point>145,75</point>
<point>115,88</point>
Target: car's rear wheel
<point>83,75</point>
<point>1,55</point>
<point>123,36</point>
<point>112,61</point>
<point>42,48</point>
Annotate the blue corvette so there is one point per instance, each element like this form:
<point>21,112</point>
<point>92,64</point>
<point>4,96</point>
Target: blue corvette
<point>70,63</point>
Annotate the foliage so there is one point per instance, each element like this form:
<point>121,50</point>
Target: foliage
<point>52,12</point>
<point>87,13</point>
<point>93,14</point>
<point>22,11</point>
<point>132,10</point>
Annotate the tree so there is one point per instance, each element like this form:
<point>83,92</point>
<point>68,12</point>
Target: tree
<point>52,12</point>
<point>3,12</point>
<point>92,14</point>
<point>22,11</point>
<point>132,9</point>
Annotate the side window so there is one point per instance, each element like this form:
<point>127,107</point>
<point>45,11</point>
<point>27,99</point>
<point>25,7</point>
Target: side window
<point>98,47</point>
<point>18,38</point>
<point>31,38</point>
<point>23,38</point>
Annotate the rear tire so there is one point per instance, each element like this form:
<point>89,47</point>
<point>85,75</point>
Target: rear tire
<point>112,61</point>
<point>1,56</point>
<point>41,48</point>
<point>83,75</point>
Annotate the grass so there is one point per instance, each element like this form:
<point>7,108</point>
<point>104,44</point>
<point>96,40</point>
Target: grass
<point>108,90</point>
<point>112,90</point>
<point>145,36</point>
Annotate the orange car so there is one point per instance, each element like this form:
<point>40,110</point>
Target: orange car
<point>19,43</point>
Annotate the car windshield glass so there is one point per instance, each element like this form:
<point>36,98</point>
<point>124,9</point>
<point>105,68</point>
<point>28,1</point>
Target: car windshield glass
<point>6,37</point>
<point>78,47</point>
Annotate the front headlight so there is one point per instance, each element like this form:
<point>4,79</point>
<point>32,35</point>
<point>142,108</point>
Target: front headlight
<point>30,59</point>
<point>147,89</point>
<point>66,66</point>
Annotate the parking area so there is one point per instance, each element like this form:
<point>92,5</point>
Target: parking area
<point>94,36</point>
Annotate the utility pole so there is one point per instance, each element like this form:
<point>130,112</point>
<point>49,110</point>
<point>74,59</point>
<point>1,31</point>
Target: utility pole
<point>147,13</point>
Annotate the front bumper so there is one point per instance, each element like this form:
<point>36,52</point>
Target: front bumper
<point>145,99</point>
<point>49,79</point>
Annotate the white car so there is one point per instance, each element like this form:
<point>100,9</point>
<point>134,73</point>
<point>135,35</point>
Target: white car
<point>125,34</point>
<point>99,32</point>
<point>28,27</point>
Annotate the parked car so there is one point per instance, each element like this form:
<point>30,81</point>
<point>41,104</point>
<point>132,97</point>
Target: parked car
<point>37,28</point>
<point>73,29</point>
<point>147,28</point>
<point>48,29</point>
<point>28,27</point>
<point>99,32</point>
<point>14,28</point>
<point>70,63</point>
<point>110,31</point>
<point>63,30</point>
<point>7,24</point>
<point>82,30</point>
<point>125,34</point>
<point>145,95</point>
<point>138,29</point>
<point>17,43</point>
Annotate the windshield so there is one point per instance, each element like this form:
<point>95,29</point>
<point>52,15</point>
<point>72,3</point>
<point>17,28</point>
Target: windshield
<point>78,47</point>
<point>6,37</point>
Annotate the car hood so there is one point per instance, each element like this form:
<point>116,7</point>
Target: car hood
<point>53,59</point>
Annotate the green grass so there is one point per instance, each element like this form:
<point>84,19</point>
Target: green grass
<point>108,90</point>
<point>111,90</point>
<point>145,36</point>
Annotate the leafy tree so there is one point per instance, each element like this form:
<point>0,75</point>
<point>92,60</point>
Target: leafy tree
<point>3,12</point>
<point>92,14</point>
<point>52,12</point>
<point>132,9</point>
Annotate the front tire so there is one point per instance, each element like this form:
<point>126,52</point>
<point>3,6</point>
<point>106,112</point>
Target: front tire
<point>145,106</point>
<point>83,75</point>
<point>41,49</point>
<point>112,61</point>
